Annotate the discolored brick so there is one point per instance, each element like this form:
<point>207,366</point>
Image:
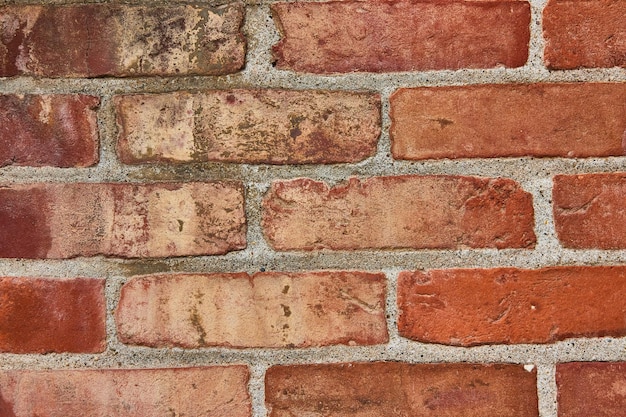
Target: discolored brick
<point>503,120</point>
<point>589,210</point>
<point>248,126</point>
<point>585,34</point>
<point>591,389</point>
<point>269,309</point>
<point>467,307</point>
<point>125,220</point>
<point>52,315</point>
<point>48,130</point>
<point>385,36</point>
<point>193,392</point>
<point>378,389</point>
<point>413,212</point>
<point>94,40</point>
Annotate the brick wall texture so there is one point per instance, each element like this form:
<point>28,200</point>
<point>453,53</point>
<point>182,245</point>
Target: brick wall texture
<point>313,208</point>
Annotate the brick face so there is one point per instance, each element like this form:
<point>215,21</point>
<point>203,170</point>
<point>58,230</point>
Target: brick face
<point>398,212</point>
<point>567,120</point>
<point>585,34</point>
<point>373,389</point>
<point>48,130</point>
<point>381,36</point>
<point>109,40</point>
<point>44,315</point>
<point>466,307</point>
<point>263,310</point>
<point>251,126</point>
<point>194,392</point>
<point>591,389</point>
<point>126,220</point>
<point>589,210</point>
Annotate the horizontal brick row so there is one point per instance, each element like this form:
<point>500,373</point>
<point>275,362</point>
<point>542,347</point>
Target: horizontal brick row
<point>406,212</point>
<point>92,40</point>
<point>125,220</point>
<point>262,310</point>
<point>318,389</point>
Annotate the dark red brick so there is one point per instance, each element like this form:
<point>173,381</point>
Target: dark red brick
<point>52,315</point>
<point>54,130</point>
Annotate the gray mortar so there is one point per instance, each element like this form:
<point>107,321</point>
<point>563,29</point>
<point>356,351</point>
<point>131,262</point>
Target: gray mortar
<point>534,175</point>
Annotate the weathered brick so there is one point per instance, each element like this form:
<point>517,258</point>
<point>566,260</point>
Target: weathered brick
<point>589,210</point>
<point>249,126</point>
<point>568,120</point>
<point>93,40</point>
<point>399,212</point>
<point>467,307</point>
<point>400,389</point>
<point>262,310</point>
<point>591,389</point>
<point>191,392</point>
<point>45,315</point>
<point>126,220</point>
<point>585,34</point>
<point>53,130</point>
<point>381,36</point>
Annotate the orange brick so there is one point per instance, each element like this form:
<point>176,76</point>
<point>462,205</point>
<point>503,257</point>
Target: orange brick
<point>385,36</point>
<point>262,310</point>
<point>589,210</point>
<point>400,389</point>
<point>248,126</point>
<point>501,120</point>
<point>466,307</point>
<point>415,212</point>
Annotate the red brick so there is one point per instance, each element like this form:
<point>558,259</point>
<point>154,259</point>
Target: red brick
<point>591,389</point>
<point>53,130</point>
<point>399,389</point>
<point>568,120</point>
<point>191,392</point>
<point>466,307</point>
<point>262,310</point>
<point>248,126</point>
<point>93,40</point>
<point>380,36</point>
<point>398,212</point>
<point>585,34</point>
<point>45,315</point>
<point>589,210</point>
<point>126,220</point>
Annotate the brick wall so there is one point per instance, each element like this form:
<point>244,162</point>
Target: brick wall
<point>337,208</point>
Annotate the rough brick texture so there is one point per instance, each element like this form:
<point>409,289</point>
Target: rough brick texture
<point>399,212</point>
<point>253,126</point>
<point>585,34</point>
<point>45,315</point>
<point>380,36</point>
<point>568,120</point>
<point>126,220</point>
<point>55,130</point>
<point>190,392</point>
<point>379,389</point>
<point>112,40</point>
<point>589,210</point>
<point>466,307</point>
<point>591,389</point>
<point>263,310</point>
